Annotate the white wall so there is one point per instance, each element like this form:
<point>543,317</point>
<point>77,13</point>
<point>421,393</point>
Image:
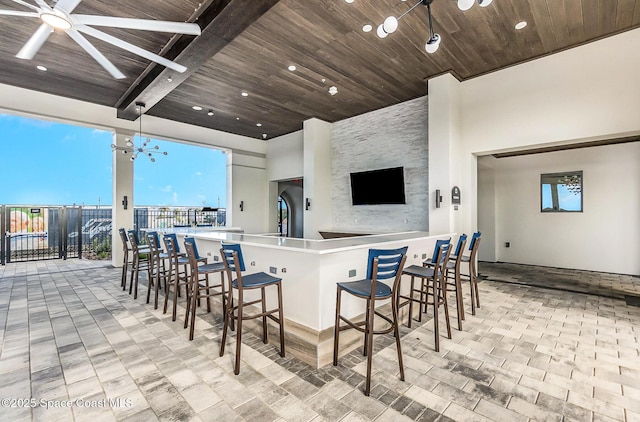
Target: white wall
<point>585,93</point>
<point>487,208</point>
<point>285,156</point>
<point>601,238</point>
<point>394,136</point>
<point>317,176</point>
<point>248,178</point>
<point>444,156</point>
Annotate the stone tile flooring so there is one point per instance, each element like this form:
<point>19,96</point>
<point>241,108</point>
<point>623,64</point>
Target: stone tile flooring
<point>81,349</point>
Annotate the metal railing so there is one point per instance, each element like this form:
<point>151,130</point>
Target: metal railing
<point>31,233</point>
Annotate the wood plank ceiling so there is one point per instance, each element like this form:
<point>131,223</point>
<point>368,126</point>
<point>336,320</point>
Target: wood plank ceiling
<point>256,40</point>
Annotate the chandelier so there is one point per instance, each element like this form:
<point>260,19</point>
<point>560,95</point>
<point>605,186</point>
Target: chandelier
<point>390,24</point>
<point>144,148</point>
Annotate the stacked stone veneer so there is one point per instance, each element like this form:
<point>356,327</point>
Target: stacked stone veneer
<point>395,136</point>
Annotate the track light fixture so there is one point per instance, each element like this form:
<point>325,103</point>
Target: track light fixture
<point>390,24</point>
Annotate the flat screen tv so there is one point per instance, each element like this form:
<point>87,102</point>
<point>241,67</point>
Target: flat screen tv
<point>384,186</point>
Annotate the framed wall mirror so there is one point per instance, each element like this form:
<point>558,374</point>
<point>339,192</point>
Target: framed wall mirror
<point>561,192</point>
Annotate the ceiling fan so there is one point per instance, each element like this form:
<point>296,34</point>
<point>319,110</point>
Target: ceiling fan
<point>60,16</point>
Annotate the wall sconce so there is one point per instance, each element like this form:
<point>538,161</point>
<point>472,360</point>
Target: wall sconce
<point>125,202</point>
<point>307,204</point>
<point>241,205</point>
<point>438,198</point>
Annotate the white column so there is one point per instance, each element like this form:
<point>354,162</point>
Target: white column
<point>248,196</point>
<point>317,177</point>
<point>122,187</point>
<point>445,160</point>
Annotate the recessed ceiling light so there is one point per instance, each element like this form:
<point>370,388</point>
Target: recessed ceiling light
<point>349,1</point>
<point>245,94</point>
<point>292,68</point>
<point>258,124</point>
<point>521,25</point>
<point>264,136</point>
<point>197,108</point>
<point>42,68</point>
<point>210,113</point>
<point>237,118</point>
<point>367,28</point>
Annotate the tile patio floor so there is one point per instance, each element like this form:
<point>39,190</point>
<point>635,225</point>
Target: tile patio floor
<point>68,333</point>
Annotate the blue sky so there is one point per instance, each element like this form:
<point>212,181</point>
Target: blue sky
<point>48,163</point>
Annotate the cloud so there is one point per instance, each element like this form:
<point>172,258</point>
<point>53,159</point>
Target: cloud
<point>167,188</point>
<point>198,173</point>
<point>175,198</point>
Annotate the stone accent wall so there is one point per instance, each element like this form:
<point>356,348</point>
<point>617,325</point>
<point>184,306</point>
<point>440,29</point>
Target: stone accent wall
<point>395,136</point>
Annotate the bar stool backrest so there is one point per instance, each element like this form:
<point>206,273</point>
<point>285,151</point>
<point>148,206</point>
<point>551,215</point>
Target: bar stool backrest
<point>125,240</point>
<point>192,241</point>
<point>191,255</point>
<point>175,241</point>
<point>153,241</point>
<point>442,254</point>
<point>388,263</point>
<point>460,246</point>
<point>156,236</point>
<point>171,244</point>
<point>133,239</point>
<point>439,243</point>
<point>227,255</point>
<point>475,237</point>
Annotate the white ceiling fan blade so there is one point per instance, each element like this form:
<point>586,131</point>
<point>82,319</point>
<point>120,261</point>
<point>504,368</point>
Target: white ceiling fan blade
<point>140,24</point>
<point>19,13</point>
<point>35,42</point>
<point>25,4</point>
<point>98,56</point>
<point>67,5</point>
<point>131,48</point>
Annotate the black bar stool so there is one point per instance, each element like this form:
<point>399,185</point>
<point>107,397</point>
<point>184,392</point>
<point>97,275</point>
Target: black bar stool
<point>234,266</point>
<point>432,284</point>
<point>199,287</point>
<point>382,264</point>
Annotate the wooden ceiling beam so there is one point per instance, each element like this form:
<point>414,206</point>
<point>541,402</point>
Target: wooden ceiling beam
<point>221,22</point>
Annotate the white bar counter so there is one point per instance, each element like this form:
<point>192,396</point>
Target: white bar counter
<point>310,270</point>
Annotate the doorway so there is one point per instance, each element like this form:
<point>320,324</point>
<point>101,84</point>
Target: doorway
<point>290,208</point>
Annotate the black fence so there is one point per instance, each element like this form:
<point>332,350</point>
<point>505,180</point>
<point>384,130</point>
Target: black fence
<point>31,233</point>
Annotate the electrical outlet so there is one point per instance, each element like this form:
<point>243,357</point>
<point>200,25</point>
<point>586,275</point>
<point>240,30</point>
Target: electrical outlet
<point>415,256</point>
<point>352,273</point>
<point>507,244</point>
<point>273,270</point>
<point>284,270</point>
<point>253,263</point>
<point>424,256</point>
<point>216,258</point>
